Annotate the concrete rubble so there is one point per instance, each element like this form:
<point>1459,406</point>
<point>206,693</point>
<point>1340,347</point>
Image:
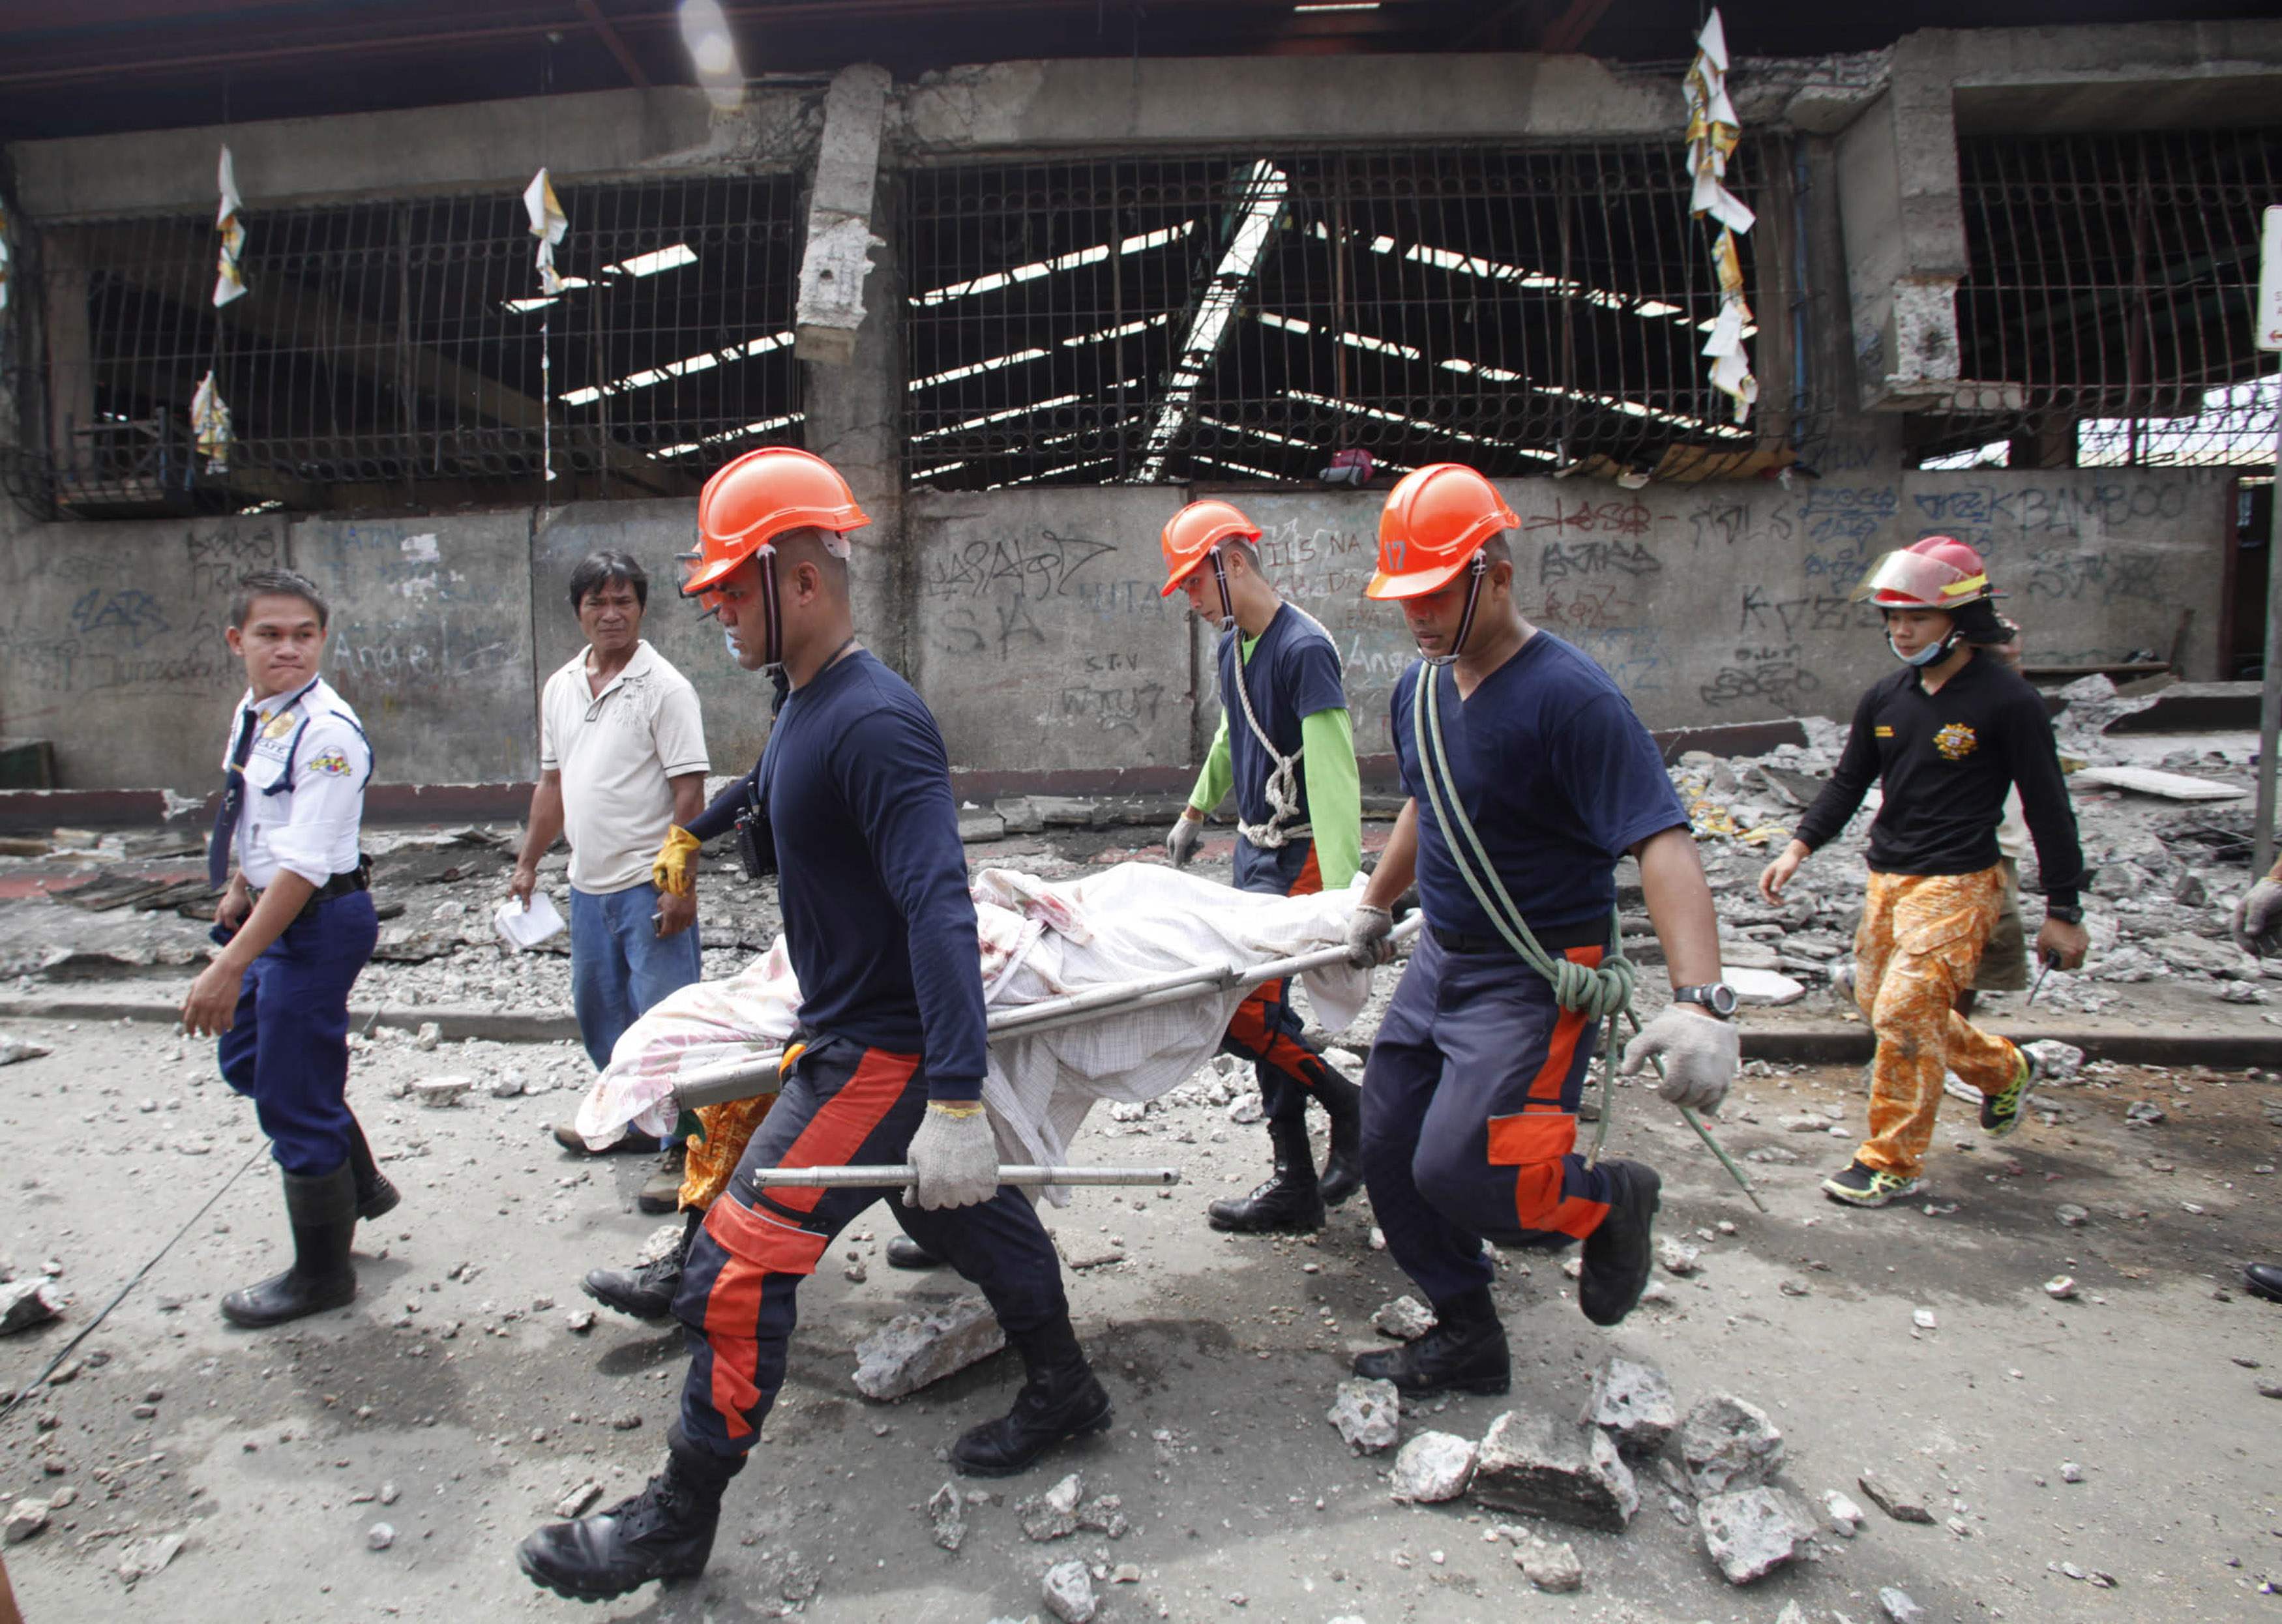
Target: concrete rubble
<point>1728,1443</point>
<point>1633,1404</point>
<point>1551,1567</point>
<point>1369,1414</point>
<point>1433,1466</point>
<point>947,1513</point>
<point>143,1558</point>
<point>25,1303</point>
<point>1404,1318</point>
<point>1067,1591</point>
<point>1901,1504</point>
<point>912,1350</point>
<point>1752,1532</point>
<point>13,1049</point>
<point>1543,1465</point>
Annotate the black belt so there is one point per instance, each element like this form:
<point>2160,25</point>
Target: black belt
<point>357,879</point>
<point>1595,934</point>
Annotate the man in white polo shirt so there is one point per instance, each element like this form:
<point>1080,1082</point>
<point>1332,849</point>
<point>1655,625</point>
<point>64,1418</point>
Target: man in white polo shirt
<point>621,759</point>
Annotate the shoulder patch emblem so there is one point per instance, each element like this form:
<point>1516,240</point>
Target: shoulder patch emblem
<point>333,764</point>
<point>1955,741</point>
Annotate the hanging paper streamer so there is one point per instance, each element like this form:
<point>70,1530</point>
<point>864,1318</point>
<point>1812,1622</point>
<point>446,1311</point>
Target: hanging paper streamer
<point>549,225</point>
<point>1713,133</point>
<point>229,282</point>
<point>210,424</point>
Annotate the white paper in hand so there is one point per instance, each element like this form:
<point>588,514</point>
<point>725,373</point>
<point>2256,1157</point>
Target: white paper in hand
<point>524,928</point>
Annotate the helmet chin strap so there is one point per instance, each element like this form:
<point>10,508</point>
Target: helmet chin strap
<point>772,614</point>
<point>1474,575</point>
<point>1220,579</point>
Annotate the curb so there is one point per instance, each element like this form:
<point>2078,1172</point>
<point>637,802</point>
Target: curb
<point>1822,1043</point>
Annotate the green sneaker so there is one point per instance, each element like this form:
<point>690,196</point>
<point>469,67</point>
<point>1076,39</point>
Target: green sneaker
<point>1858,1186</point>
<point>2000,1112</point>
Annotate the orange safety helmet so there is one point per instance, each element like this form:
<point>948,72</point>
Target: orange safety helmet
<point>1435,520</point>
<point>1191,535</point>
<point>1939,573</point>
<point>752,501</point>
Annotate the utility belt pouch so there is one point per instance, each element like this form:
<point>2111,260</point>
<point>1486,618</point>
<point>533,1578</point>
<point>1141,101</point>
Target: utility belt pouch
<point>756,845</point>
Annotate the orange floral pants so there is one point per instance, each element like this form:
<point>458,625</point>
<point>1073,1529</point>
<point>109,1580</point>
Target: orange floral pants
<point>711,1161</point>
<point>1916,949</point>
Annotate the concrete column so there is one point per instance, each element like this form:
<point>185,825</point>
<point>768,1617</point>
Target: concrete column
<point>835,265</point>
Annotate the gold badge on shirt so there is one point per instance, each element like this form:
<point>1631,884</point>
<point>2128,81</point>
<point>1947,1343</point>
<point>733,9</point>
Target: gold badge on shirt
<point>279,726</point>
<point>1955,741</point>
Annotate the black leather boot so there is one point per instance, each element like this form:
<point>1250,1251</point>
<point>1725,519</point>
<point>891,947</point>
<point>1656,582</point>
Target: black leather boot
<point>1465,1352</point>
<point>1619,1253</point>
<point>376,1195</point>
<point>323,1212</point>
<point>1060,1399</point>
<point>1342,1102</point>
<point>1290,1203</point>
<point>665,1531</point>
<point>2264,1281</point>
<point>905,1253</point>
<point>645,1291</point>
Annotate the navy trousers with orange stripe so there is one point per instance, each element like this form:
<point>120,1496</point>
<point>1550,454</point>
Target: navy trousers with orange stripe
<point>1470,1115</point>
<point>841,1104</point>
<point>1265,1029</point>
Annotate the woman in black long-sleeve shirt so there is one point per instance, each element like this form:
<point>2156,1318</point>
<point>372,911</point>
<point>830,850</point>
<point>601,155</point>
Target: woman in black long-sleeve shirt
<point>1945,738</point>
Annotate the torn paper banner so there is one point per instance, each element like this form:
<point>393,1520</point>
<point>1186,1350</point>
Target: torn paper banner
<point>210,425</point>
<point>229,281</point>
<point>1713,132</point>
<point>549,224</point>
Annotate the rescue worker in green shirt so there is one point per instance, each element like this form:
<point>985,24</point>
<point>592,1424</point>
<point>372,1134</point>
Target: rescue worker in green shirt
<point>1286,747</point>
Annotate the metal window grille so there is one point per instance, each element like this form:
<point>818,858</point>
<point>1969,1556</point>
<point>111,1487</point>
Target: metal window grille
<point>397,352</point>
<point>1244,317</point>
<point>2109,302</point>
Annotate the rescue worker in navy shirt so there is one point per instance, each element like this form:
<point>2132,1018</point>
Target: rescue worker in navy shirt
<point>297,926</point>
<point>888,1062</point>
<point>1286,747</point>
<point>1469,1098</point>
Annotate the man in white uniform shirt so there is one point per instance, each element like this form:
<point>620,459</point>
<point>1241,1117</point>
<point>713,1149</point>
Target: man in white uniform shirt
<point>621,759</point>
<point>295,926</point>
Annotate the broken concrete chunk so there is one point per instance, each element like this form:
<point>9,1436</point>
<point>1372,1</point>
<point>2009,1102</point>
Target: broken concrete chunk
<point>2056,1061</point>
<point>975,827</point>
<point>14,1049</point>
<point>1019,816</point>
<point>1898,1502</point>
<point>1754,1531</point>
<point>1845,1516</point>
<point>146,1558</point>
<point>1068,1591</point>
<point>25,1303</point>
<point>575,1503</point>
<point>912,1350</point>
<point>1405,1319</point>
<point>436,1092</point>
<point>1898,1606</point>
<point>1369,1414</point>
<point>1433,1466</point>
<point>1678,1257</point>
<point>1549,1566</point>
<point>1054,1514</point>
<point>1727,1443</point>
<point>26,1518</point>
<point>1633,1404</point>
<point>429,1036</point>
<point>1544,1465</point>
<point>948,1511</point>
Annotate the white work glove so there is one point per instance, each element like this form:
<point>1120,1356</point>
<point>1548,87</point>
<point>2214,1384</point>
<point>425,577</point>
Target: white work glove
<point>1182,839</point>
<point>1366,942</point>
<point>2258,919</point>
<point>1700,1055</point>
<point>954,1156</point>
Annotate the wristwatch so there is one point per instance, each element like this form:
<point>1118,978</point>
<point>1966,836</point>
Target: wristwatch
<point>1716,995</point>
<point>2066,916</point>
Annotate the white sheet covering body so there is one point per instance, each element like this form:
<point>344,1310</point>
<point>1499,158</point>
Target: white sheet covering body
<point>1040,939</point>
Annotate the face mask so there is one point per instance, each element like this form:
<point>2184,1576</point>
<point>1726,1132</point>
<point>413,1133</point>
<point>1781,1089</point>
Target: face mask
<point>1932,654</point>
<point>729,642</point>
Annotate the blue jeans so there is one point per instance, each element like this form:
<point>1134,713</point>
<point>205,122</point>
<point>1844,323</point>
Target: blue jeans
<point>288,1049</point>
<point>620,966</point>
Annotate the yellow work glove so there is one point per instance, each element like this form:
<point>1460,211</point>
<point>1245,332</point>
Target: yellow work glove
<point>670,873</point>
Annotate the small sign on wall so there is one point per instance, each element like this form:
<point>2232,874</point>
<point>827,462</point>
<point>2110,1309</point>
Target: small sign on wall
<point>2269,322</point>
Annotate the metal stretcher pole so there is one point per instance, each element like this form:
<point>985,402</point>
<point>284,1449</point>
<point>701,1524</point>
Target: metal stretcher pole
<point>745,1078</point>
<point>898,1174</point>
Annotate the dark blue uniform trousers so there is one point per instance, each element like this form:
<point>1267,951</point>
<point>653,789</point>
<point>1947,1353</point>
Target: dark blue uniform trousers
<point>288,1048</point>
<point>1470,1117</point>
<point>843,1104</point>
<point>1265,1029</point>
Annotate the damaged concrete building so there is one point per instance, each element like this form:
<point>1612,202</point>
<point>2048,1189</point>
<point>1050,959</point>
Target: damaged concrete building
<point>1037,275</point>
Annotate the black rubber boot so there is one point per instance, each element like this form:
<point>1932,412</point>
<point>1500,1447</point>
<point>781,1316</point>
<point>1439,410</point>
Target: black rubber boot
<point>665,1531</point>
<point>1465,1352</point>
<point>1342,1102</point>
<point>645,1291</point>
<point>323,1212</point>
<point>2264,1281</point>
<point>1290,1202</point>
<point>1619,1253</point>
<point>905,1253</point>
<point>375,1194</point>
<point>1060,1399</point>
